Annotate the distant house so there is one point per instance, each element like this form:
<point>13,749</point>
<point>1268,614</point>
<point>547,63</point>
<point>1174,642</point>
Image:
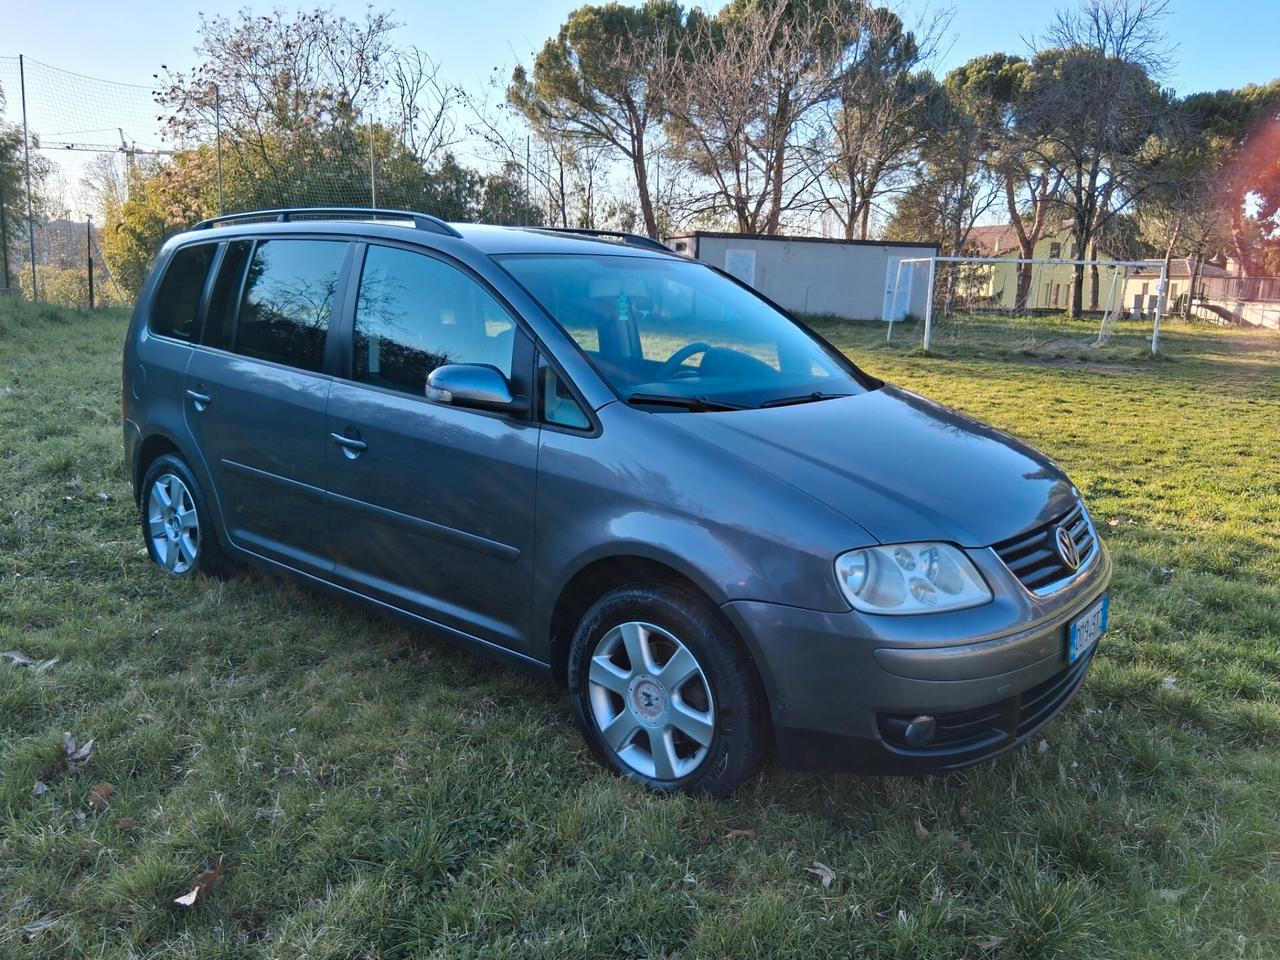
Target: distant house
<point>1051,283</point>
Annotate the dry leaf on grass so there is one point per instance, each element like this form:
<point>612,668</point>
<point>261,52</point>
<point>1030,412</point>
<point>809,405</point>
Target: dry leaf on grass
<point>1043,747</point>
<point>988,943</point>
<point>125,824</point>
<point>922,831</point>
<point>204,883</point>
<point>822,872</point>
<point>40,789</point>
<point>735,834</point>
<point>966,816</point>
<point>1171,896</point>
<point>77,754</point>
<point>100,796</point>
<point>1169,684</point>
<point>17,658</point>
<point>1121,522</point>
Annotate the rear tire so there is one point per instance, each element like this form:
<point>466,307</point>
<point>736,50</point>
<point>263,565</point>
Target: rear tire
<point>176,524</point>
<point>663,693</point>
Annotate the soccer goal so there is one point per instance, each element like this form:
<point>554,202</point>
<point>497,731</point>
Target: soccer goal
<point>1013,304</point>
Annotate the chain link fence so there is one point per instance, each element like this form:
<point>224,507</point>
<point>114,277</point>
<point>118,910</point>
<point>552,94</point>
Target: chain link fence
<point>92,180</point>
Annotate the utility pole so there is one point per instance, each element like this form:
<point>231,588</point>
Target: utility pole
<point>4,235</point>
<point>26,153</point>
<point>217,121</point>
<point>373,187</point>
<point>88,253</point>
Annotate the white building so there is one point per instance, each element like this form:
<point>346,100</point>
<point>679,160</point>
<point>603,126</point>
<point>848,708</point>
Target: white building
<point>854,279</point>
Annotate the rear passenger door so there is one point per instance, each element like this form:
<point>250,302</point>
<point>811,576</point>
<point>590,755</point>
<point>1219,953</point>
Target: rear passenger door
<point>432,505</point>
<point>257,388</point>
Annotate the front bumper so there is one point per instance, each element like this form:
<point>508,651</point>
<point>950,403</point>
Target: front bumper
<point>842,685</point>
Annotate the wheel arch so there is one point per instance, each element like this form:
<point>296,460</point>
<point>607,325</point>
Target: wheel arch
<point>593,579</point>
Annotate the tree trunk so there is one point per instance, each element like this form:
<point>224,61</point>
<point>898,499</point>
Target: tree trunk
<point>642,188</point>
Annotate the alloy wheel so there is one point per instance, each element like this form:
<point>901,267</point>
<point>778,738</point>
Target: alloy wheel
<point>173,526</point>
<point>651,701</point>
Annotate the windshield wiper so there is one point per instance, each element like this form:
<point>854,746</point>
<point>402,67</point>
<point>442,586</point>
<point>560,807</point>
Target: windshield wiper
<point>803,398</point>
<point>695,404</point>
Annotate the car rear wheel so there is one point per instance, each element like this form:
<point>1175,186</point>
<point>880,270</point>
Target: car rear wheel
<point>175,520</point>
<point>664,695</point>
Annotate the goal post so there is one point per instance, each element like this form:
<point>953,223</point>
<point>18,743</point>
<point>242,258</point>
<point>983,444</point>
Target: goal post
<point>1018,289</point>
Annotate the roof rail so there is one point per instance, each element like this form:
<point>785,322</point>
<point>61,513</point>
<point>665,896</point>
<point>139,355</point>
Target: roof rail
<point>421,221</point>
<point>630,239</point>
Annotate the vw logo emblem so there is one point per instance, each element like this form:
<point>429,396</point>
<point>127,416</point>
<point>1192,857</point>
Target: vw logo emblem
<point>1066,548</point>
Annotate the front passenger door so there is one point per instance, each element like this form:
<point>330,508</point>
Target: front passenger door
<point>431,506</point>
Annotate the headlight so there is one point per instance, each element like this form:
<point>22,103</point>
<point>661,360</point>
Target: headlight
<point>910,578</point>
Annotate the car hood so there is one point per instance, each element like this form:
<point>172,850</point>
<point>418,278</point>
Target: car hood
<point>902,467</point>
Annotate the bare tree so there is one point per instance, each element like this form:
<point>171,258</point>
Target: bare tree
<point>875,117</point>
<point>742,99</point>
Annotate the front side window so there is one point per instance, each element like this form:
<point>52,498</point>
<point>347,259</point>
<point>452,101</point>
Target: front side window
<point>176,309</point>
<point>288,301</point>
<point>415,313</point>
<point>675,332</point>
<point>559,406</point>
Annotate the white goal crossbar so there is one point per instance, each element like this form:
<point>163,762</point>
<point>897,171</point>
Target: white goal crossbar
<point>1161,289</point>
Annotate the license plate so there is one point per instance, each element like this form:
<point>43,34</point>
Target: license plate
<point>1086,629</point>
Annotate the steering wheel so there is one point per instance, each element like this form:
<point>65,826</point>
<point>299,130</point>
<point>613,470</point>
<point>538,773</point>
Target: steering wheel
<point>672,364</point>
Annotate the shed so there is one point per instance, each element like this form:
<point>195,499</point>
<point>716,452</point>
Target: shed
<point>854,279</point>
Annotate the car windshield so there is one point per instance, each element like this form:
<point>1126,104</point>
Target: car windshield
<point>676,335</point>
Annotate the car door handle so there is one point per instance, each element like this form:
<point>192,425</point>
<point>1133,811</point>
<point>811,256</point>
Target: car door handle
<point>199,400</point>
<point>350,445</point>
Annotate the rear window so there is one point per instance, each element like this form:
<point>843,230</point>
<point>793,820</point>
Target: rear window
<point>288,301</point>
<point>175,312</point>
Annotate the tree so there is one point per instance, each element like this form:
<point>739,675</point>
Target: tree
<point>593,82</point>
<point>743,97</point>
<point>874,119</point>
<point>1240,132</point>
<point>1090,106</point>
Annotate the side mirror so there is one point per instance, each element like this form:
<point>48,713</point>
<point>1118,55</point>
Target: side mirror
<point>475,385</point>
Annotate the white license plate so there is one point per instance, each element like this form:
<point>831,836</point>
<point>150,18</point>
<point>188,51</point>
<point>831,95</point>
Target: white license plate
<point>1086,629</point>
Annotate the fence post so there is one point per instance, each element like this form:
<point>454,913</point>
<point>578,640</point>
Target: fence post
<point>217,126</point>
<point>373,186</point>
<point>26,152</point>
<point>88,252</point>
<point>4,235</point>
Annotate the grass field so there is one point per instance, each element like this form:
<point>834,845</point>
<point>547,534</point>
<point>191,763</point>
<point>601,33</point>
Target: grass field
<point>372,792</point>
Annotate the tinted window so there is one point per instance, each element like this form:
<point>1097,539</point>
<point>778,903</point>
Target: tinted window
<point>176,309</point>
<point>416,313</point>
<point>288,301</point>
<point>219,325</point>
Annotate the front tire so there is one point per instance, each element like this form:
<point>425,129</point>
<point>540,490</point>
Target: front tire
<point>176,524</point>
<point>664,695</point>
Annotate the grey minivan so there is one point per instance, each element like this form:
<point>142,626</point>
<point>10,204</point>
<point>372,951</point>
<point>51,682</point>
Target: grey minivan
<point>616,468</point>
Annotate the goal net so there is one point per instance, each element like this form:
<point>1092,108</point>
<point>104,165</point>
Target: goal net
<point>1004,305</point>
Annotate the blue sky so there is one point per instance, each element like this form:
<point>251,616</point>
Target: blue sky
<point>1216,44</point>
<point>1219,43</point>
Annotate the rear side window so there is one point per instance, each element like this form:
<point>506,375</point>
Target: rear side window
<point>175,312</point>
<point>219,324</point>
<point>288,301</point>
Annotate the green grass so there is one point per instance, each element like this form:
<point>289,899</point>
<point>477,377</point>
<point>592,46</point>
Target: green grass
<point>376,793</point>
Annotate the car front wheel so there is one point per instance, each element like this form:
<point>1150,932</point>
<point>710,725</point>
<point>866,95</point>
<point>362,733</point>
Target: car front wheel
<point>663,693</point>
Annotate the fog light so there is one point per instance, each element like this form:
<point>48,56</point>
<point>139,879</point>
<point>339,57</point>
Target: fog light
<point>920,730</point>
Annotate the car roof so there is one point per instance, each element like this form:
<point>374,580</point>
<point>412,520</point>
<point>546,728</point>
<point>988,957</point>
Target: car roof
<point>488,239</point>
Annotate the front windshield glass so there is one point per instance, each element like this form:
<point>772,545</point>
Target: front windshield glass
<point>666,329</point>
